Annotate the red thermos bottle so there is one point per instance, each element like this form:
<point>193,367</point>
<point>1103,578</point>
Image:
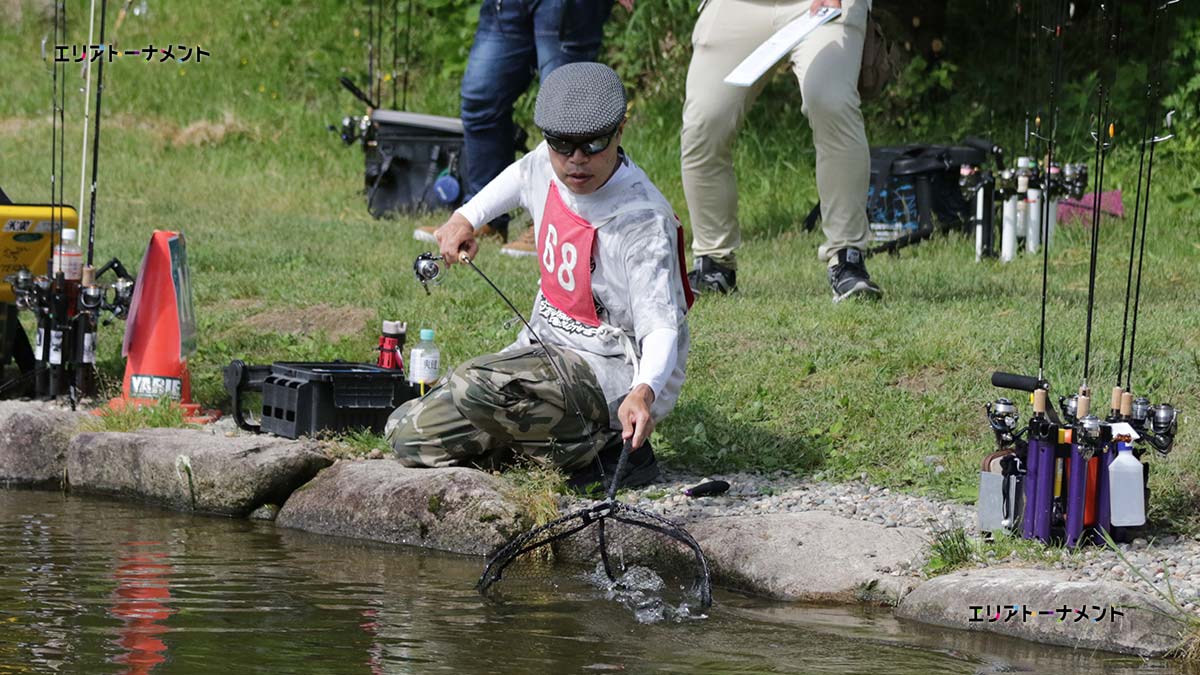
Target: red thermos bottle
<point>391,345</point>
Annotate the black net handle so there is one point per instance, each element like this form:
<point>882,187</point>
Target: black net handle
<point>620,470</point>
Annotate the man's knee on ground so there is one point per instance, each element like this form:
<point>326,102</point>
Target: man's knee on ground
<point>400,431</point>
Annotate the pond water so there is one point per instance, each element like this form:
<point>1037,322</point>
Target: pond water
<point>94,586</point>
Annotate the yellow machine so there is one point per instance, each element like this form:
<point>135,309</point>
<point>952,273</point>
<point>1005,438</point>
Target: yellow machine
<point>26,231</point>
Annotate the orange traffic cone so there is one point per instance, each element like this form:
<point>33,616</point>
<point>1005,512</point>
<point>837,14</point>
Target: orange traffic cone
<point>161,331</point>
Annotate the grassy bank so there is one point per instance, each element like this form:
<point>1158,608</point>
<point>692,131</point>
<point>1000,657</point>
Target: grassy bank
<point>287,264</point>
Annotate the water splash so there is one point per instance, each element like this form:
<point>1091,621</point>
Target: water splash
<point>641,590</point>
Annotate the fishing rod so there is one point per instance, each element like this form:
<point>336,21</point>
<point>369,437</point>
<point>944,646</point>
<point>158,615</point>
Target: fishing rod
<point>91,245</point>
<point>1161,420</point>
<point>1034,460</point>
<point>1055,77</point>
<point>1091,436</point>
<point>1104,141</point>
<point>407,54</point>
<point>52,309</point>
<point>371,49</point>
<point>86,73</point>
<point>91,296</point>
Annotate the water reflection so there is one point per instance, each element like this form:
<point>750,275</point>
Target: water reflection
<point>90,586</point>
<point>140,602</point>
<point>47,637</point>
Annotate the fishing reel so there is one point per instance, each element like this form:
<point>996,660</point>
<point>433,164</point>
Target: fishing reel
<point>969,179</point>
<point>24,288</point>
<point>118,299</point>
<point>1089,435</point>
<point>1074,181</point>
<point>115,298</point>
<point>1069,405</point>
<point>1003,417</point>
<point>1164,425</point>
<point>1006,184</point>
<point>427,269</point>
<point>1155,424</point>
<point>353,129</point>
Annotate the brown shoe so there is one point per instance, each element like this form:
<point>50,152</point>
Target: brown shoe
<point>426,234</point>
<point>523,246</point>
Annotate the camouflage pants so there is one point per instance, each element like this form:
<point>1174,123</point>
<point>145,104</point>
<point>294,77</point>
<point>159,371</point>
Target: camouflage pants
<point>497,407</point>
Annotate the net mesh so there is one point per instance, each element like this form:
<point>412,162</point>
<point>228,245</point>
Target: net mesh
<point>638,558</point>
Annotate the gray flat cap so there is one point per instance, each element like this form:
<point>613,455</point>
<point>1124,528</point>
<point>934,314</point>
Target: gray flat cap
<point>580,100</point>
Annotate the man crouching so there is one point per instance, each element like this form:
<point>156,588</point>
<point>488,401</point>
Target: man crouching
<point>611,310</point>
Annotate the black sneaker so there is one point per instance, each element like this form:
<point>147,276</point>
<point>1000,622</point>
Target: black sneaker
<point>641,469</point>
<point>709,276</point>
<point>848,277</point>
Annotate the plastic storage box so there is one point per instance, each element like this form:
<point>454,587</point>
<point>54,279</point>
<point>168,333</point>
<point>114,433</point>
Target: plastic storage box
<point>304,398</point>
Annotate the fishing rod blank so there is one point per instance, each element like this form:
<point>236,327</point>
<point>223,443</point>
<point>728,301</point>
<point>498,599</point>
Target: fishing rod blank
<point>87,96</point>
<point>1150,137</point>
<point>1104,140</point>
<point>1055,77</point>
<point>91,245</point>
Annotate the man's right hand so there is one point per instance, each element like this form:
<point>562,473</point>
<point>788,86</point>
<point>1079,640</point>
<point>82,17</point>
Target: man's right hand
<point>455,237</point>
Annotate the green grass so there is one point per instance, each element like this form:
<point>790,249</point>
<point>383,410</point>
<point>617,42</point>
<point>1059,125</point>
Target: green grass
<point>779,378</point>
<point>952,548</point>
<point>535,489</point>
<point>165,413</point>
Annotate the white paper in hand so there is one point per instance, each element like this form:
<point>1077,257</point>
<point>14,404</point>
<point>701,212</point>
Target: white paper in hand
<point>777,46</point>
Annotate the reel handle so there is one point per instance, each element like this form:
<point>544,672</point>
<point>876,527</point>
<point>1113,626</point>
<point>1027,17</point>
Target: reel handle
<point>1019,382</point>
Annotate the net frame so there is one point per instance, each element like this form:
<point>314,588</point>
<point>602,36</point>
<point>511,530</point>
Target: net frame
<point>577,521</point>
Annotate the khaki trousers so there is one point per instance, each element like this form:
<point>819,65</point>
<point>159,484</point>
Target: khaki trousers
<point>826,65</point>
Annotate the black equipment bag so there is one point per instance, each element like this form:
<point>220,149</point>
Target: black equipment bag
<point>414,162</point>
<point>911,184</point>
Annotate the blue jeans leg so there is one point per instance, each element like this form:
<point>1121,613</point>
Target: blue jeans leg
<point>499,69</point>
<point>567,31</point>
<point>514,38</point>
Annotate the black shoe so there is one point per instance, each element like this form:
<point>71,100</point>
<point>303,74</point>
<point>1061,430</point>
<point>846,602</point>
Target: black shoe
<point>709,276</point>
<point>641,469</point>
<point>848,277</point>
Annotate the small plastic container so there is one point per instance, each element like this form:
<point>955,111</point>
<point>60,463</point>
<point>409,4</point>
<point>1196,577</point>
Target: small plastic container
<point>424,362</point>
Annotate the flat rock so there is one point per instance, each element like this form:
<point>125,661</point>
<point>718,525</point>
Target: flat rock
<point>454,509</point>
<point>191,469</point>
<point>1145,628</point>
<point>810,556</point>
<point>33,443</point>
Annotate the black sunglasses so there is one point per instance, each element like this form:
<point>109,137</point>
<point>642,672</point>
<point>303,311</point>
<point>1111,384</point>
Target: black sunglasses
<point>568,146</point>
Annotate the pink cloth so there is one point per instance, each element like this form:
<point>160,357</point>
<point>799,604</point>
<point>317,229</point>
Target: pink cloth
<point>1110,204</point>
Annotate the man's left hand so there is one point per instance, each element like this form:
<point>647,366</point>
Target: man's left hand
<point>634,413</point>
<point>818,4</point>
<point>627,4</point>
